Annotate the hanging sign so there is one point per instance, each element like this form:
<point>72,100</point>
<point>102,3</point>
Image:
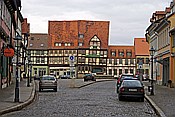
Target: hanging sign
<point>9,52</point>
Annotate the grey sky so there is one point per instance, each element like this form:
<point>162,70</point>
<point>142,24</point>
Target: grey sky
<point>128,18</point>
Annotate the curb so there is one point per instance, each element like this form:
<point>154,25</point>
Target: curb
<point>22,105</point>
<point>158,111</point>
<point>84,85</point>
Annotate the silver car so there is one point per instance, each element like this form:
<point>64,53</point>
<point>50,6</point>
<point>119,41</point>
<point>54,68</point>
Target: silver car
<point>48,82</point>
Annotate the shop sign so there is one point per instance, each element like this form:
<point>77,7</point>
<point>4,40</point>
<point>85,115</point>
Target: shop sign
<point>9,52</point>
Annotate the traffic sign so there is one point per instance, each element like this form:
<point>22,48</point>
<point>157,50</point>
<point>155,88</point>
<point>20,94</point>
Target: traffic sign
<point>71,58</point>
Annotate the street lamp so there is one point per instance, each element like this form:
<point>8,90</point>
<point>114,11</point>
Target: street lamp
<point>152,51</point>
<point>18,37</point>
<point>28,79</point>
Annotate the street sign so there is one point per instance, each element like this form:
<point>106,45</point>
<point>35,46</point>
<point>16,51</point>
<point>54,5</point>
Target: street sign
<point>140,66</point>
<point>71,58</point>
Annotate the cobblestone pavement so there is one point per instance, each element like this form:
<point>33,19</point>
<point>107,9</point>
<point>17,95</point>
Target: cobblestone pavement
<point>96,100</point>
<point>164,98</point>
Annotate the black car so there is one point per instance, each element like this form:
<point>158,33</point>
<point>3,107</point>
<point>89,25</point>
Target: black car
<point>89,77</point>
<point>131,89</point>
<point>119,81</point>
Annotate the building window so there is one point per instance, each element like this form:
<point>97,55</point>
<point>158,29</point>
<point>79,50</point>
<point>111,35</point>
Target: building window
<point>74,51</point>
<point>56,44</point>
<point>110,61</point>
<point>42,45</point>
<point>31,44</point>
<point>115,71</point>
<point>128,54</point>
<point>32,38</point>
<point>83,52</point>
<point>120,61</point>
<point>80,44</point>
<point>37,53</point>
<point>56,52</point>
<point>126,61</point>
<point>37,60</point>
<point>147,61</point>
<point>81,35</point>
<point>113,53</point>
<point>115,61</point>
<point>94,52</point>
<point>42,60</point>
<point>60,52</point>
<point>42,52</point>
<point>66,51</point>
<point>131,71</point>
<point>131,61</point>
<point>120,71</point>
<point>110,71</point>
<point>126,71</point>
<point>101,53</point>
<point>121,54</point>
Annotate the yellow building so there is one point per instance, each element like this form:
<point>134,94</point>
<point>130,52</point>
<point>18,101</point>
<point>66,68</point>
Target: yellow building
<point>171,19</point>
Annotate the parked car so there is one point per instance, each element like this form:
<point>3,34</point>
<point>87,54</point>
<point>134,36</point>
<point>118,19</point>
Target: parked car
<point>131,89</point>
<point>89,77</point>
<point>48,82</point>
<point>121,78</point>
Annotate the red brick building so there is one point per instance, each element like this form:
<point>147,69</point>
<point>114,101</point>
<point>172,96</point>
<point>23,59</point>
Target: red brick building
<point>86,40</point>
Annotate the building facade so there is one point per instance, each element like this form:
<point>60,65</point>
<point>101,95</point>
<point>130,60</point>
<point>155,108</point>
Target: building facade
<point>10,17</point>
<point>37,54</point>
<point>86,41</point>
<point>75,48</point>
<point>142,57</point>
<point>162,29</point>
<point>121,60</point>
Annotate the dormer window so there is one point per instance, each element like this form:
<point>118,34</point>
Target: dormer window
<point>81,36</point>
<point>113,53</point>
<point>95,43</point>
<point>121,54</point>
<point>80,44</point>
<point>42,45</point>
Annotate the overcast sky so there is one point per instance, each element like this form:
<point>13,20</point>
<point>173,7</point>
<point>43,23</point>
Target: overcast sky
<point>128,18</point>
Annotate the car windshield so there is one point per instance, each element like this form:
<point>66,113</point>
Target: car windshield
<point>132,83</point>
<point>48,78</point>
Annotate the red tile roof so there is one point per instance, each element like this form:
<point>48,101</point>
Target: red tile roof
<point>117,49</point>
<point>141,46</point>
<point>68,32</point>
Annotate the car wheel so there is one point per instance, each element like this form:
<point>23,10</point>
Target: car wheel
<point>120,98</point>
<point>55,89</point>
<point>142,99</point>
<point>117,90</point>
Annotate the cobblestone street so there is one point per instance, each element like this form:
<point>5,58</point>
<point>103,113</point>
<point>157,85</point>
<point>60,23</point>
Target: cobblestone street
<point>96,100</point>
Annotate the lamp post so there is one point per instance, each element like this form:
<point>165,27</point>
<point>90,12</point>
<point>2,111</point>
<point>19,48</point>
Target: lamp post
<point>152,50</point>
<point>17,68</point>
<point>28,79</point>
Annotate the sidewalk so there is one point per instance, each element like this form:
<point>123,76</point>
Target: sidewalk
<point>163,100</point>
<point>26,96</point>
